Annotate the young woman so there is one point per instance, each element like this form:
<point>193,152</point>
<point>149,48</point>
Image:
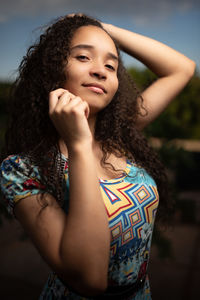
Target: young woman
<point>80,177</point>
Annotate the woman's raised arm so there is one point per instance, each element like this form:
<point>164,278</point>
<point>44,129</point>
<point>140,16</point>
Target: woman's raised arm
<point>173,69</point>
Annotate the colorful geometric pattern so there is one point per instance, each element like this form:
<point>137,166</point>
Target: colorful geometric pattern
<point>129,207</point>
<point>131,202</point>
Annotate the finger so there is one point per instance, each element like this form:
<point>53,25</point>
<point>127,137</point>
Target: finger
<point>78,105</point>
<point>87,109</point>
<point>63,100</point>
<point>53,98</point>
<point>73,15</point>
<point>84,105</point>
<point>69,100</point>
<point>58,98</point>
<point>66,92</point>
<point>74,102</point>
<point>70,15</point>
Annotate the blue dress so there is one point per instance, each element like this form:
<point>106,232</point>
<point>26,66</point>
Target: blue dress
<point>131,202</point>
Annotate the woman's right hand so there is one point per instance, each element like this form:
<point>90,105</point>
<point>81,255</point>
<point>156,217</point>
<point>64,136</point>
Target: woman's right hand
<point>69,115</point>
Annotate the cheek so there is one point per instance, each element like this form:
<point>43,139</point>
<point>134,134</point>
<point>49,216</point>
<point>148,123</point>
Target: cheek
<point>72,73</point>
<point>71,80</point>
<point>71,77</point>
<point>115,85</point>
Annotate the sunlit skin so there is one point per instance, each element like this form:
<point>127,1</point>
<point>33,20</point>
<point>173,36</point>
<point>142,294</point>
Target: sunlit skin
<point>92,67</point>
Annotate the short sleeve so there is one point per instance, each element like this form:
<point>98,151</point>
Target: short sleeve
<point>19,179</point>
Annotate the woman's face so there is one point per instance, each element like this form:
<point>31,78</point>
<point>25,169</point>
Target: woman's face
<point>92,67</point>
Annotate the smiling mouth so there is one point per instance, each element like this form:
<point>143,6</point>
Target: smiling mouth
<point>97,88</point>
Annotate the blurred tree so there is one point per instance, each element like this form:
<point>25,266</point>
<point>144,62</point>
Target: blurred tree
<point>182,117</point>
<point>143,78</point>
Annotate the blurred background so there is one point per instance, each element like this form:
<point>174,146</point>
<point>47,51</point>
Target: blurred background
<point>174,268</point>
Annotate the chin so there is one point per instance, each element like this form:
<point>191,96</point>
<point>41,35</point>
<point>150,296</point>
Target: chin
<point>95,110</point>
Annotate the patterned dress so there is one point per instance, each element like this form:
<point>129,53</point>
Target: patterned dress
<point>131,201</point>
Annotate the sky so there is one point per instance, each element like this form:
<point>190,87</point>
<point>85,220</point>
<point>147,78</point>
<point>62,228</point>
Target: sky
<point>173,22</point>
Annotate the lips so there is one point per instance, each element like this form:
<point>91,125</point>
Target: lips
<point>96,87</point>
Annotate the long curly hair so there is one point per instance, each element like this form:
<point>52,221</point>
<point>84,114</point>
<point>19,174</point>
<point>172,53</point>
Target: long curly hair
<point>31,131</point>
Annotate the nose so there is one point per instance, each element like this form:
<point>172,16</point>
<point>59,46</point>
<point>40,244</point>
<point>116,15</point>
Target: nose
<point>98,71</point>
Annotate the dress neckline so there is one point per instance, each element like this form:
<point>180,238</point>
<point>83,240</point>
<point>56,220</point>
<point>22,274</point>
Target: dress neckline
<point>121,177</point>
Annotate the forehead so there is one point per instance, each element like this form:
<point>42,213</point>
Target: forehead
<point>94,36</point>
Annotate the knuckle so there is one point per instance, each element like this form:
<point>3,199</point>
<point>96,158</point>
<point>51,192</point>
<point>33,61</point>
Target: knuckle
<point>84,103</point>
<point>56,113</point>
<point>78,99</point>
<point>65,110</point>
<point>76,111</point>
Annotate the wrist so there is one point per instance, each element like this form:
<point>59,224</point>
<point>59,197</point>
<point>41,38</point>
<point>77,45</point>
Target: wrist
<point>108,27</point>
<point>79,148</point>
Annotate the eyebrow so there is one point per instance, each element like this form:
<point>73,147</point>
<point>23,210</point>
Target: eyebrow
<point>85,46</point>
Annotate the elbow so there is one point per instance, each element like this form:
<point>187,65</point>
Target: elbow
<point>87,274</point>
<point>190,70</point>
<point>95,286</point>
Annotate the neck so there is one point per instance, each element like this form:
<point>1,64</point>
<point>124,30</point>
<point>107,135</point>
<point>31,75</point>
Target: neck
<point>91,123</point>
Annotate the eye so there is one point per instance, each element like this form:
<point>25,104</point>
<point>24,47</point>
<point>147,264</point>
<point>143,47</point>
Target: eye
<point>82,57</point>
<point>110,67</point>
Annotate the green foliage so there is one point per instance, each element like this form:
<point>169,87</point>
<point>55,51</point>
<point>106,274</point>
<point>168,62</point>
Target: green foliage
<point>142,78</point>
<point>182,117</point>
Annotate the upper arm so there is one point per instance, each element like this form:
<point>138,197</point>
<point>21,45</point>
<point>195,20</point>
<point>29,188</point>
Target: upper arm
<point>56,234</point>
<point>27,198</point>
<point>159,95</point>
<point>44,221</point>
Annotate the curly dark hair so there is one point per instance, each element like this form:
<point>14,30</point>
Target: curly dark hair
<point>31,131</point>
